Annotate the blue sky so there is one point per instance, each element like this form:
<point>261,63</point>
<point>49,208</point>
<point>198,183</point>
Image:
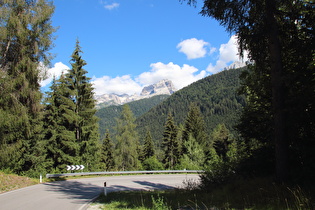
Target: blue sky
<point>129,44</point>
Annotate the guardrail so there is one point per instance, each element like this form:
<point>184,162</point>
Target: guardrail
<point>121,172</point>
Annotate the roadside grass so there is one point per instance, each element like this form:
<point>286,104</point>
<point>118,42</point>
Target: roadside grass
<point>241,194</point>
<point>258,193</point>
<point>10,182</point>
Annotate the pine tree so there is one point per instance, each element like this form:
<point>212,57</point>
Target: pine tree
<point>62,148</point>
<point>194,126</point>
<point>73,128</point>
<point>127,147</point>
<point>170,143</point>
<point>148,158</point>
<point>25,38</point>
<point>85,123</point>
<point>107,152</point>
<point>148,149</point>
<point>221,140</point>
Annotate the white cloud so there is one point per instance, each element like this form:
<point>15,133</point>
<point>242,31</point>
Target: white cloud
<point>228,56</point>
<point>111,6</point>
<point>54,71</point>
<point>180,76</point>
<point>193,48</point>
<point>212,50</point>
<point>229,51</point>
<point>118,85</point>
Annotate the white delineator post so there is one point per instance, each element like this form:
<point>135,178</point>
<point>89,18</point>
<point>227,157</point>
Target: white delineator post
<point>40,178</point>
<point>105,190</point>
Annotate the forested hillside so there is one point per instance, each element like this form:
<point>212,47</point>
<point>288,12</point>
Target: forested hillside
<point>107,116</point>
<point>216,95</point>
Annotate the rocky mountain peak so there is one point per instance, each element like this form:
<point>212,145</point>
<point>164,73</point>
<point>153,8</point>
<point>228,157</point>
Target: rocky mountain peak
<point>162,87</point>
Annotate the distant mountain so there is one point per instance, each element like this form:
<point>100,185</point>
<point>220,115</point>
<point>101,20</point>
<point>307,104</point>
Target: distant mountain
<point>108,115</point>
<point>163,87</point>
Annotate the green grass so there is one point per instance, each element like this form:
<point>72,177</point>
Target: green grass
<point>241,194</point>
<point>11,182</point>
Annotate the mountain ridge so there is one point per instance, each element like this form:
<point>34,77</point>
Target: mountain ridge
<point>163,87</point>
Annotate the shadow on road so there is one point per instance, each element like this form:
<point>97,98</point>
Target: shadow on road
<point>154,186</point>
<point>82,192</point>
<point>115,188</point>
<point>74,190</point>
<point>142,185</point>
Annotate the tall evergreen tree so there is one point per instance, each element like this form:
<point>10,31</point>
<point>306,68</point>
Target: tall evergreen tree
<point>107,153</point>
<point>73,128</point>
<point>127,147</point>
<point>194,126</point>
<point>25,39</point>
<point>170,143</point>
<point>83,114</point>
<point>62,148</point>
<point>148,147</point>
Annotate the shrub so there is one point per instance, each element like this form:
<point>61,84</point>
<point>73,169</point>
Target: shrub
<point>151,164</point>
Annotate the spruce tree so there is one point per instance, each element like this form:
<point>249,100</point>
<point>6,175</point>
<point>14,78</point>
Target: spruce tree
<point>85,123</point>
<point>194,126</point>
<point>148,147</point>
<point>170,143</point>
<point>221,140</point>
<point>62,148</point>
<point>25,39</point>
<point>127,147</point>
<point>107,153</point>
<point>73,128</point>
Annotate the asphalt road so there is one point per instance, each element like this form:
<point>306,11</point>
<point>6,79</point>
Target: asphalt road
<point>77,193</point>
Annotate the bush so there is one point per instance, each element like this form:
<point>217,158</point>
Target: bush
<point>151,164</point>
<point>216,175</point>
<point>189,164</point>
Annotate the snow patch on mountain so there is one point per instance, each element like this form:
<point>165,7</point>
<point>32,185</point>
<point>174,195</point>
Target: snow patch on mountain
<point>163,87</point>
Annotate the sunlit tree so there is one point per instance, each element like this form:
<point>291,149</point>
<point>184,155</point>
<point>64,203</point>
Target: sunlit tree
<point>127,147</point>
<point>25,39</point>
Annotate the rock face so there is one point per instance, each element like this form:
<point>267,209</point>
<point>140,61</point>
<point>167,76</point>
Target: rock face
<point>163,87</point>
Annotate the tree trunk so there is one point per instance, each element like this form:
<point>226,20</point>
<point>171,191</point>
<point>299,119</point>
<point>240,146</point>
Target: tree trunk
<point>277,83</point>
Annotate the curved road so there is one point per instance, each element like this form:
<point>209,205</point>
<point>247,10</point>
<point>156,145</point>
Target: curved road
<point>77,193</point>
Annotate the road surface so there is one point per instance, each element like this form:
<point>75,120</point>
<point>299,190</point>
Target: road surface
<point>76,194</point>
